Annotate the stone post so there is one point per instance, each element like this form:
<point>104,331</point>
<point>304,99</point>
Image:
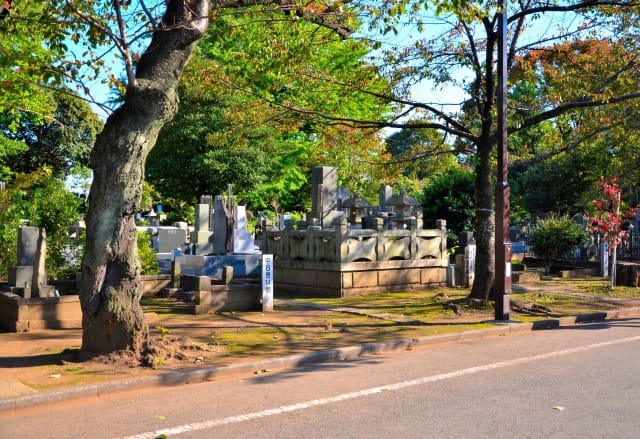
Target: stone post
<point>412,224</point>
<point>469,264</point>
<point>39,278</point>
<point>341,247</point>
<point>442,226</point>
<point>604,259</point>
<point>378,226</point>
<point>176,273</point>
<point>466,258</point>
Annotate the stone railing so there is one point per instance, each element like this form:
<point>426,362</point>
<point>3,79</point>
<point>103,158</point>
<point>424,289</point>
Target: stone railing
<point>345,245</point>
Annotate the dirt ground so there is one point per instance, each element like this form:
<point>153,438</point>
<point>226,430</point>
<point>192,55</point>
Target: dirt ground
<point>50,359</point>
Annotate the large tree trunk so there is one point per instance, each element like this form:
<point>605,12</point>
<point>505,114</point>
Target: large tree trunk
<point>485,227</point>
<point>110,289</point>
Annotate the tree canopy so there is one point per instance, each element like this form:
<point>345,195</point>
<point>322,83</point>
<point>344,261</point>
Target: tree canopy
<point>61,141</point>
<point>444,68</point>
<point>238,124</point>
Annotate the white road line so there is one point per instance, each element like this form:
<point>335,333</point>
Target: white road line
<point>361,393</point>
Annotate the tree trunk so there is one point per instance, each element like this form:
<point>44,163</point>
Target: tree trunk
<point>485,227</point>
<point>110,289</point>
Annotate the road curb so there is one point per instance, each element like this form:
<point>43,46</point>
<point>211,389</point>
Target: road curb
<point>203,374</point>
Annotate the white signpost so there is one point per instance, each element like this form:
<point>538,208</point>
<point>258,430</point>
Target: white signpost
<point>267,282</point>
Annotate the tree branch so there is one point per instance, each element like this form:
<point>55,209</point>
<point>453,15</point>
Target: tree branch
<point>329,120</point>
<point>521,164</point>
<point>412,105</point>
<point>125,49</point>
<point>570,8</point>
<point>585,102</point>
<point>330,17</point>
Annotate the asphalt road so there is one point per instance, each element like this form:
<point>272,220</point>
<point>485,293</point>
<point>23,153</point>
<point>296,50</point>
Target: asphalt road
<point>578,382</point>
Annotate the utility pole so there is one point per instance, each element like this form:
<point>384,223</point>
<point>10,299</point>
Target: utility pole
<point>503,244</point>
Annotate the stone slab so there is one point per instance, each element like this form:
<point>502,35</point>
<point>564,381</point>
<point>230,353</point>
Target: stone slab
<point>228,298</point>
<point>19,275</point>
<point>24,314</point>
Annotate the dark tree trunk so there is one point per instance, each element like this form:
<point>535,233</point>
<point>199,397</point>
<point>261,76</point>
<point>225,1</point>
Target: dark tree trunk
<point>485,227</point>
<point>110,290</point>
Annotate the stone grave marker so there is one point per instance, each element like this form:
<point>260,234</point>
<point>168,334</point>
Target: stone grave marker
<point>222,227</point>
<point>324,195</point>
<point>21,275</point>
<point>170,238</point>
<point>242,239</point>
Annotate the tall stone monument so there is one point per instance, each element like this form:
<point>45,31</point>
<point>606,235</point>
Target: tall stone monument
<point>29,277</point>
<point>21,275</point>
<point>222,227</point>
<point>324,199</point>
<point>243,241</point>
<point>201,238</point>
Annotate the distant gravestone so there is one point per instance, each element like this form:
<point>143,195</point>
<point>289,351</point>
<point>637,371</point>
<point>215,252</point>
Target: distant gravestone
<point>21,275</point>
<point>170,238</point>
<point>202,215</point>
<point>282,220</point>
<point>343,194</point>
<point>384,195</point>
<point>324,194</point>
<point>242,239</point>
<point>466,238</point>
<point>201,237</point>
<point>27,245</point>
<point>222,227</point>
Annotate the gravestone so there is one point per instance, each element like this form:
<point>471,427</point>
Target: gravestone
<point>222,227</point>
<point>27,244</point>
<point>324,195</point>
<point>282,221</point>
<point>242,239</point>
<point>22,274</point>
<point>384,195</point>
<point>170,238</point>
<point>343,194</point>
<point>201,237</point>
<point>465,259</point>
<point>29,277</point>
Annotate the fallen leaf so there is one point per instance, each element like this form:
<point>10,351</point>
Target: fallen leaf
<point>161,418</point>
<point>55,375</point>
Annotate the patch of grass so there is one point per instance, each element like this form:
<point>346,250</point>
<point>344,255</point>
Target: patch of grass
<point>386,299</point>
<point>552,300</point>
<point>425,305</point>
<point>605,289</point>
<point>344,331</point>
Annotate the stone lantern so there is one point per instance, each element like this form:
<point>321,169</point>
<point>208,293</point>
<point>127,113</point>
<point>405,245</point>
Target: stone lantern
<point>357,208</point>
<point>152,216</point>
<point>403,206</point>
